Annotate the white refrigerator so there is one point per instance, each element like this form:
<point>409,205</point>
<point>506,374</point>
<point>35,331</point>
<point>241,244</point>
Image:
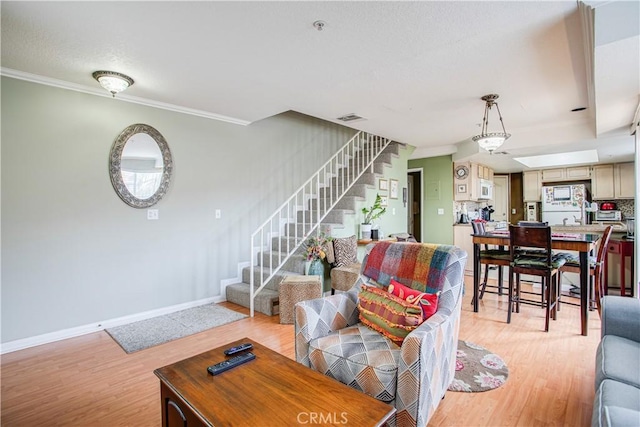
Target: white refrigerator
<point>564,204</point>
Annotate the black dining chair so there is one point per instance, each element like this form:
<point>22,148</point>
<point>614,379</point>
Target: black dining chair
<point>490,257</point>
<point>530,250</point>
<point>539,295</point>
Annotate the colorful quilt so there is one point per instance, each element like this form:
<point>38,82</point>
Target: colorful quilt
<point>420,266</point>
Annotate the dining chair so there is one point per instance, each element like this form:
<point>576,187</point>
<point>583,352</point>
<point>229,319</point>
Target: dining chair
<point>489,257</point>
<point>597,284</point>
<point>540,294</point>
<point>530,250</point>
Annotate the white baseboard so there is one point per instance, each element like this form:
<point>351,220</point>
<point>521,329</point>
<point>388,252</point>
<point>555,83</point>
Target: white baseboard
<point>64,334</point>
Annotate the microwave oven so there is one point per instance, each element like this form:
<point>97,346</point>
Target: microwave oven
<point>486,190</point>
<point>608,215</point>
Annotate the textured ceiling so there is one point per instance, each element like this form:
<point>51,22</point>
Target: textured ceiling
<point>414,70</point>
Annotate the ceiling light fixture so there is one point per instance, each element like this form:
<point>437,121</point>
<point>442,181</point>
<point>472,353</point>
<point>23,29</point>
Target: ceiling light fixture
<point>491,140</point>
<point>112,81</point>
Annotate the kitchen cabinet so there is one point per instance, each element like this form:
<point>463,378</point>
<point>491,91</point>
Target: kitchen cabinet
<point>613,181</point>
<point>531,186</point>
<point>485,172</point>
<point>602,182</point>
<point>578,172</point>
<point>463,172</point>
<point>466,182</point>
<point>553,174</point>
<point>462,239</point>
<point>566,174</point>
<point>624,180</point>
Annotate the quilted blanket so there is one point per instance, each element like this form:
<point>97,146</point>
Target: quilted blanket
<point>420,266</point>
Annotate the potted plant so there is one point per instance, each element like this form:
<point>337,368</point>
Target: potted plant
<point>370,214</point>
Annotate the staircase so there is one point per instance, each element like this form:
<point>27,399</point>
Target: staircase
<point>323,203</point>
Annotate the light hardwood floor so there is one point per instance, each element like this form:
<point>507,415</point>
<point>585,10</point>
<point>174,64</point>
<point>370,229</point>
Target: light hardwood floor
<point>90,381</point>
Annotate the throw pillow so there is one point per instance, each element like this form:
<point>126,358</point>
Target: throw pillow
<point>388,314</point>
<point>345,251</point>
<point>428,302</point>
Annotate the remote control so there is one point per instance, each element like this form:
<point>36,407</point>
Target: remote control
<point>219,368</point>
<point>238,349</point>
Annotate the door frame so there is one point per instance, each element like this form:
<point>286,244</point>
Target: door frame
<point>420,171</point>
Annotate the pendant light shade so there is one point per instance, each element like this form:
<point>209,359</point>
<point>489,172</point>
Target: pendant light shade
<point>490,141</point>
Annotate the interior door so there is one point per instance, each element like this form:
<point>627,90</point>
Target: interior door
<point>500,198</point>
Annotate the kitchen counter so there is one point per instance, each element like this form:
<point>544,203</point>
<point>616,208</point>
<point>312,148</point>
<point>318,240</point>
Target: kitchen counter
<point>596,227</point>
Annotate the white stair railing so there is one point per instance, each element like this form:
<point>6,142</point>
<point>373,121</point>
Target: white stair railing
<point>321,193</point>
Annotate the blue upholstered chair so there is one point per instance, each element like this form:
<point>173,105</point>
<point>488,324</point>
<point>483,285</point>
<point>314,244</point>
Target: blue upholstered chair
<point>617,399</point>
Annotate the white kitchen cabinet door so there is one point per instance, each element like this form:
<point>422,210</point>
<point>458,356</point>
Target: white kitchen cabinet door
<point>602,182</point>
<point>531,186</point>
<point>624,179</point>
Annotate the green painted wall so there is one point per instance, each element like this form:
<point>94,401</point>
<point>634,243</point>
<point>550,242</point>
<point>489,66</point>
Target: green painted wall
<point>437,193</point>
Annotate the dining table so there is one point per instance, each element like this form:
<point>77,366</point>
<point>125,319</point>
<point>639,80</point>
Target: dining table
<point>584,243</point>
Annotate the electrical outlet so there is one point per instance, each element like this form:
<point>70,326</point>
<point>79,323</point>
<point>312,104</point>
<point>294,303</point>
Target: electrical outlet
<point>152,214</point>
<point>440,211</point>
<point>513,211</point>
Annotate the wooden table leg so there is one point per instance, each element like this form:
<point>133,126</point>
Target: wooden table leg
<point>584,291</point>
<point>476,275</point>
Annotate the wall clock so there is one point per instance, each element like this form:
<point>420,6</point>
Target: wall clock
<point>461,172</point>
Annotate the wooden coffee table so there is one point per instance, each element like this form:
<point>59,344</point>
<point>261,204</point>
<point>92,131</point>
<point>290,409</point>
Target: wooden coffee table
<point>271,390</point>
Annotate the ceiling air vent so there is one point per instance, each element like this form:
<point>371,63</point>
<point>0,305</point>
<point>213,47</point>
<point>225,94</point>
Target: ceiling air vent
<point>350,118</point>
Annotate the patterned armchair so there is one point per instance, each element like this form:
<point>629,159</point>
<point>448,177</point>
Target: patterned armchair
<point>412,377</point>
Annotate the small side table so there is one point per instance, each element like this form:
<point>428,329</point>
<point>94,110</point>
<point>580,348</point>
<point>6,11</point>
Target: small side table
<point>294,289</point>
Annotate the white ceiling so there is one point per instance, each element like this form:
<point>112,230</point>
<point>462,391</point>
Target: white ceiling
<point>414,70</point>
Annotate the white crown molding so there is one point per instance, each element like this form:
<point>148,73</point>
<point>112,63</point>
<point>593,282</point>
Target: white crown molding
<point>64,334</point>
<point>34,78</point>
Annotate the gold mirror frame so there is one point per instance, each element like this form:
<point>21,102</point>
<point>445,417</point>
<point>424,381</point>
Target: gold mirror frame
<point>115,159</point>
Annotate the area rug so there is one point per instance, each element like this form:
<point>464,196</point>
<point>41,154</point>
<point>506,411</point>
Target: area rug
<point>158,330</point>
<point>478,369</point>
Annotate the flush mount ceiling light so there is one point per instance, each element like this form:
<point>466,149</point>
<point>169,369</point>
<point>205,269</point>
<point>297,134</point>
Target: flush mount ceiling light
<point>112,81</point>
<point>491,140</point>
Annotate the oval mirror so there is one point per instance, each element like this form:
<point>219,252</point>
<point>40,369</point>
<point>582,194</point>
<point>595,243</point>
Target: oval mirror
<point>140,166</point>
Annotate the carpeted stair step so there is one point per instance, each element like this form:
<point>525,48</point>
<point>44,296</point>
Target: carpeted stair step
<point>265,302</point>
<point>283,243</point>
<point>271,258</point>
<point>274,283</point>
<point>347,203</point>
<point>335,216</point>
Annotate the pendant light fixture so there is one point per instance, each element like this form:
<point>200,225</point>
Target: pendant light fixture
<point>112,81</point>
<point>491,140</point>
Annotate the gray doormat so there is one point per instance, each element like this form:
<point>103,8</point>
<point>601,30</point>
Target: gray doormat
<point>158,330</point>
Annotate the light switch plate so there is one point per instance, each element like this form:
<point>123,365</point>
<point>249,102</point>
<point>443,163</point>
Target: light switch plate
<point>440,211</point>
<point>218,214</point>
<point>152,214</point>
